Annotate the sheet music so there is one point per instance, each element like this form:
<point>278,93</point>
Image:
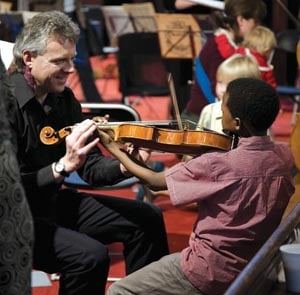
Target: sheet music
<point>143,15</point>
<point>211,3</point>
<point>5,6</point>
<point>117,22</point>
<point>128,18</point>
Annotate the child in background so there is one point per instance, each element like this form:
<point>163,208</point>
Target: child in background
<point>238,17</point>
<point>236,66</point>
<point>259,43</point>
<point>241,195</point>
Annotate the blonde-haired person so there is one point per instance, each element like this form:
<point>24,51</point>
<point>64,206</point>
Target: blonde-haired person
<point>236,66</point>
<point>260,43</point>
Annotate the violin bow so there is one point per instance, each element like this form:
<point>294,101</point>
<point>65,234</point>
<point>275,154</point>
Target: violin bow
<point>174,101</point>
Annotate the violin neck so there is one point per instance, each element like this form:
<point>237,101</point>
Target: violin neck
<point>162,124</point>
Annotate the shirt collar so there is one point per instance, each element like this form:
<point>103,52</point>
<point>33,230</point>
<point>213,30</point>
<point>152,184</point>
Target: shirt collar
<point>256,141</point>
<point>27,93</point>
<point>24,96</point>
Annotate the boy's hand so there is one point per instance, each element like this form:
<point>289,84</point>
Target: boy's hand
<point>141,154</point>
<point>107,141</point>
<point>99,119</point>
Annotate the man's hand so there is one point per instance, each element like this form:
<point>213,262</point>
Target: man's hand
<point>77,147</point>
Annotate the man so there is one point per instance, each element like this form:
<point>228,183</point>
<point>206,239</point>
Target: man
<point>72,228</point>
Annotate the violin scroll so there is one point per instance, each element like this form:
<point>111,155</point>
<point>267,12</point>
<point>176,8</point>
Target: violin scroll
<point>49,136</point>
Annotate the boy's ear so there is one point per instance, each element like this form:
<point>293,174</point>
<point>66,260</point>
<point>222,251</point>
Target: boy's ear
<point>237,123</point>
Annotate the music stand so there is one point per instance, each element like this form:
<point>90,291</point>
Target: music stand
<point>142,16</point>
<point>128,18</point>
<point>179,35</point>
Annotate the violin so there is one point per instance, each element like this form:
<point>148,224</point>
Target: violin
<point>182,141</point>
<point>161,139</point>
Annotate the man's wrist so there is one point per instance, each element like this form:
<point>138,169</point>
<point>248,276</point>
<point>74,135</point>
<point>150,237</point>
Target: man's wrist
<point>59,167</point>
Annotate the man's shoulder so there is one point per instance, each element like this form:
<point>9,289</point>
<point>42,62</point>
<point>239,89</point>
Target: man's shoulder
<point>67,94</point>
<point>68,91</point>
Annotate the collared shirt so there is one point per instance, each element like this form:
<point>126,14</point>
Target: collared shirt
<point>35,158</point>
<point>242,195</point>
<point>211,117</point>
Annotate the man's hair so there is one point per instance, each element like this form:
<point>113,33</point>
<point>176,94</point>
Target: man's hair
<point>254,101</point>
<point>39,29</point>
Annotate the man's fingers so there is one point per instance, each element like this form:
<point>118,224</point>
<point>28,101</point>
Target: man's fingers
<point>82,132</point>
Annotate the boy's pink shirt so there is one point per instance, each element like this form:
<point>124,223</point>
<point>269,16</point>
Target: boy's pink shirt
<point>242,195</point>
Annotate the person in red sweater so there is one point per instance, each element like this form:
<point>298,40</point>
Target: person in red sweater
<point>238,18</point>
<point>258,43</point>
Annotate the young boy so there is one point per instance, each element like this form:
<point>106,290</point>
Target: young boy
<point>236,66</point>
<point>241,194</point>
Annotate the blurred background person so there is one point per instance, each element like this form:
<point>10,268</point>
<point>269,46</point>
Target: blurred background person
<point>16,225</point>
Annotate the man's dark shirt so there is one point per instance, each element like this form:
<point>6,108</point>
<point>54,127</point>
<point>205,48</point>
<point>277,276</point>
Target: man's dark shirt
<point>35,158</point>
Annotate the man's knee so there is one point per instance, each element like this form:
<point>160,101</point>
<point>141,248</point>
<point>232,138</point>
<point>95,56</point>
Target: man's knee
<point>151,211</point>
<point>94,256</point>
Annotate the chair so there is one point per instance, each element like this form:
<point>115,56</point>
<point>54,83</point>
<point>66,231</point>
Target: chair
<point>118,113</point>
<point>142,71</point>
<point>261,273</point>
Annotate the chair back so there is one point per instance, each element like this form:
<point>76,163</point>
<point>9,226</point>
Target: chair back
<point>287,40</point>
<point>141,67</point>
<point>117,112</point>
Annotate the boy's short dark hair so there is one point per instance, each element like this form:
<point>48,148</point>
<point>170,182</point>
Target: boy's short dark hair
<point>253,101</point>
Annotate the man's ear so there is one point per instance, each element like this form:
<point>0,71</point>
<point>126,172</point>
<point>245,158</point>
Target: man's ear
<point>27,58</point>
